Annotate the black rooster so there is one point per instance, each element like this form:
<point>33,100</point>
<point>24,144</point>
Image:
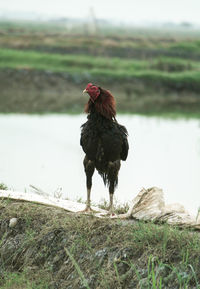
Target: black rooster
<point>103,140</point>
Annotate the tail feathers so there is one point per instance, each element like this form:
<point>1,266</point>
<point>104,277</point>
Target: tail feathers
<point>110,175</point>
<point>108,179</point>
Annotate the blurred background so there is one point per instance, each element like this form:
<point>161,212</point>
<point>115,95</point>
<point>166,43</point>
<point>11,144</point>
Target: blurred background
<point>147,53</point>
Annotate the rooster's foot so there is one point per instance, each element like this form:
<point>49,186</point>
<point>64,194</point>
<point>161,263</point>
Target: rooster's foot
<point>109,214</point>
<point>87,210</point>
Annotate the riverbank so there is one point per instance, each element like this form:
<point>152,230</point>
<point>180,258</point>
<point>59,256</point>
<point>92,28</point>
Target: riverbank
<point>33,91</point>
<point>34,276</point>
<point>50,248</point>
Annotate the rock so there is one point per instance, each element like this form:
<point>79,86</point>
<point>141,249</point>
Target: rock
<point>148,204</point>
<point>13,222</point>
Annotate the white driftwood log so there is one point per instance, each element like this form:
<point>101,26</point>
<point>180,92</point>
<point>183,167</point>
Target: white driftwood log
<point>148,205</point>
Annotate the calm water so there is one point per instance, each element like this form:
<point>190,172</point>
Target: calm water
<point>44,151</point>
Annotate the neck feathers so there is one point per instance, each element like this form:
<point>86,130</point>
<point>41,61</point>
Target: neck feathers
<point>105,105</point>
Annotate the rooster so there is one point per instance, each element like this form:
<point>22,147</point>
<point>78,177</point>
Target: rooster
<point>103,140</point>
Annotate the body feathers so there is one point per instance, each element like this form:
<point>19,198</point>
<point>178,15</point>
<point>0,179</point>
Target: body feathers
<point>103,141</point>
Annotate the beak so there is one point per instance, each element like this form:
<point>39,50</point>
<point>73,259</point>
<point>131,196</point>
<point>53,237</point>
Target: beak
<point>84,91</point>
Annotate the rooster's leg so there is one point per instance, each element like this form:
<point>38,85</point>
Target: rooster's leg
<point>113,169</point>
<point>88,202</point>
<point>89,170</point>
<point>111,208</point>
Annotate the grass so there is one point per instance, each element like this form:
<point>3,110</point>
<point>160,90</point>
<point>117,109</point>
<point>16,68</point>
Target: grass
<point>3,186</point>
<point>13,280</point>
<point>85,252</point>
<point>87,68</point>
<point>59,62</point>
<point>119,208</point>
<point>80,273</point>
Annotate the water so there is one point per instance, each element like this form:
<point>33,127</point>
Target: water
<point>44,151</point>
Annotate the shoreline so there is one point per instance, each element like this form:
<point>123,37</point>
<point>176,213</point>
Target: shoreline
<point>38,92</point>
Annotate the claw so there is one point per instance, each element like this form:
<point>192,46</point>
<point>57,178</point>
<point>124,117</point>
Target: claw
<point>87,210</point>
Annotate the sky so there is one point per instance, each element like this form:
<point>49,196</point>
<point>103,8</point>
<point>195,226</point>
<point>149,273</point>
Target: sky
<point>127,11</point>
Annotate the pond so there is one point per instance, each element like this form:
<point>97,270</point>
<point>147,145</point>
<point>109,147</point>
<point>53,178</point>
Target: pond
<point>45,151</point>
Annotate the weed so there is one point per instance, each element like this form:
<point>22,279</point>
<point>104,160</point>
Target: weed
<point>80,273</point>
<point>3,186</point>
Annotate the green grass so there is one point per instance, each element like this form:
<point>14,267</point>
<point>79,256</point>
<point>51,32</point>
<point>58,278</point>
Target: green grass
<point>184,47</point>
<point>56,62</point>
<point>3,186</point>
<point>108,69</point>
<point>14,280</point>
<point>78,269</point>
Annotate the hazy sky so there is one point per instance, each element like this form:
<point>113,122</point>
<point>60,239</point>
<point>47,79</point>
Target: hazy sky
<point>126,10</point>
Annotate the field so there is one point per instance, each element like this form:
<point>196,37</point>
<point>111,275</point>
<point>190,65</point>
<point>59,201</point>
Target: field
<point>45,68</point>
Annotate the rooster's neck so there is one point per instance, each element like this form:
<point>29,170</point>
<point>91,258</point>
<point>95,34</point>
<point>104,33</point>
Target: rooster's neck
<point>103,105</point>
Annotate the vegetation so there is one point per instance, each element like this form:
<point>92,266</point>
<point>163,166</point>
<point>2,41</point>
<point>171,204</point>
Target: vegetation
<point>50,248</point>
<point>183,74</point>
<point>3,186</point>
<point>14,280</point>
<point>147,71</point>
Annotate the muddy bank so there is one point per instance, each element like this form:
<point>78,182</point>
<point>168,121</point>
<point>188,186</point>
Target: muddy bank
<point>31,91</point>
<point>70,251</point>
